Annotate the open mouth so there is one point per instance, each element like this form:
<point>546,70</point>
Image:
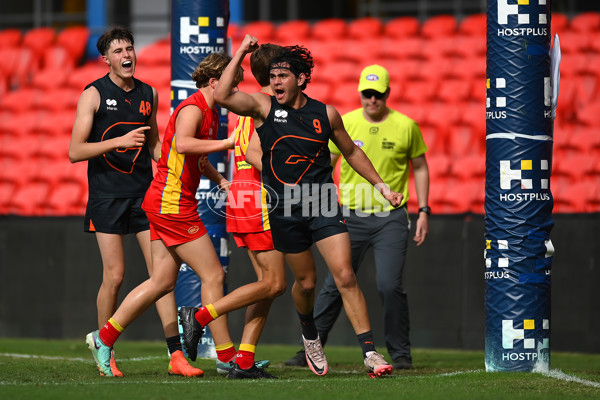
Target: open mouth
<point>279,93</point>
<point>127,65</point>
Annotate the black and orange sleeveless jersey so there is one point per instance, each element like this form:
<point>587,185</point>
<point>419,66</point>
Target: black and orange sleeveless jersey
<point>295,146</point>
<point>121,172</point>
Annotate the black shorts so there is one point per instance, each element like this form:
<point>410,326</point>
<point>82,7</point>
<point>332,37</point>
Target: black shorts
<point>119,215</point>
<point>294,233</point>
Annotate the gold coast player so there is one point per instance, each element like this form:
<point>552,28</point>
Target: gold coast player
<point>176,231</point>
<point>293,134</point>
<point>115,130</point>
<point>248,221</point>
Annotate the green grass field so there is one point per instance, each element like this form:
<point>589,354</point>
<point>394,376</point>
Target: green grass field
<point>64,369</point>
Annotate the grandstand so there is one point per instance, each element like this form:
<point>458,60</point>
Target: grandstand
<point>438,72</point>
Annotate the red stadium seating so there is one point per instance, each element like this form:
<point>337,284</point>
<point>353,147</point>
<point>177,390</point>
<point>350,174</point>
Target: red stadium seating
<point>559,23</point>
<point>440,166</point>
<point>320,91</point>
<point>75,39</point>
<point>330,29</point>
<point>365,28</point>
<point>440,25</point>
<point>49,79</point>
<point>30,199</point>
<point>264,31</point>
<point>402,27</point>
<point>588,115</point>
<point>38,40</point>
<point>7,190</point>
<point>17,65</point>
<point>157,54</point>
<point>86,74</point>
<point>576,197</point>
<point>21,100</point>
<point>586,22</point>
<point>293,32</point>
<point>66,198</point>
<point>10,37</point>
<point>59,99</point>
<point>473,25</point>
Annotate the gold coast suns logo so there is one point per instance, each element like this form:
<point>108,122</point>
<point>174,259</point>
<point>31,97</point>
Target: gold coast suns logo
<point>193,229</point>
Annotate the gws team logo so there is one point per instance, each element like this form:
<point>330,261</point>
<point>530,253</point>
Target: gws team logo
<point>287,165</point>
<point>249,195</point>
<point>525,14</point>
<point>111,104</point>
<point>123,160</point>
<point>280,116</point>
<point>192,32</point>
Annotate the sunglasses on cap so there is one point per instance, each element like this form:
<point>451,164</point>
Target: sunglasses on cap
<point>367,94</point>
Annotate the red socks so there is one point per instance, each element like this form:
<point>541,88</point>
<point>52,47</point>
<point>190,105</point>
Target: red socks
<point>110,332</point>
<point>225,352</point>
<point>206,315</point>
<point>245,356</point>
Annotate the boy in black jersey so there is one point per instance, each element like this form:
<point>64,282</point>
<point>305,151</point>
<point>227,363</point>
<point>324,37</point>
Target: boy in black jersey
<point>115,131</point>
<point>291,149</point>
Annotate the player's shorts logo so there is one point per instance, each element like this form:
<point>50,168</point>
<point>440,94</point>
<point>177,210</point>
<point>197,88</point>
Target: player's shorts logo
<point>193,229</point>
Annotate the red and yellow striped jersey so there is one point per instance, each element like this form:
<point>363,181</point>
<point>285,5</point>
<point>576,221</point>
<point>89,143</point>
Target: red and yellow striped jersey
<point>173,190</point>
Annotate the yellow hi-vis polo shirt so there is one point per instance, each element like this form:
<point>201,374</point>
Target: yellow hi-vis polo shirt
<point>389,145</point>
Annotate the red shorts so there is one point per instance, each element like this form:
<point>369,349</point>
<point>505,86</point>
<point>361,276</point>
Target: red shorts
<point>174,229</point>
<point>254,241</point>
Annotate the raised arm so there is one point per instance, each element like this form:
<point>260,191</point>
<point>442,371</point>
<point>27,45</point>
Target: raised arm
<point>253,105</point>
<point>80,149</point>
<point>357,158</point>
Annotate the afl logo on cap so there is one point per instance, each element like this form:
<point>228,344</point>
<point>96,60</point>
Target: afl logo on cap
<point>372,77</point>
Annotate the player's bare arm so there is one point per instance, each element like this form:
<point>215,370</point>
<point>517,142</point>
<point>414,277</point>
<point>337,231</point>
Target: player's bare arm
<point>80,149</point>
<point>254,152</point>
<point>252,105</point>
<point>154,143</point>
<point>189,120</point>
<point>211,173</point>
<point>421,177</point>
<point>357,158</point>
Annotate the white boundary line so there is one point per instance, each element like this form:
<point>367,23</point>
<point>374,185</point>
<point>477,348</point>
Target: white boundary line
<point>554,373</point>
<point>558,374</point>
<point>58,358</point>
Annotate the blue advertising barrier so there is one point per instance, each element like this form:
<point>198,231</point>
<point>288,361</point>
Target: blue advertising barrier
<point>518,200</point>
<point>199,28</point>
